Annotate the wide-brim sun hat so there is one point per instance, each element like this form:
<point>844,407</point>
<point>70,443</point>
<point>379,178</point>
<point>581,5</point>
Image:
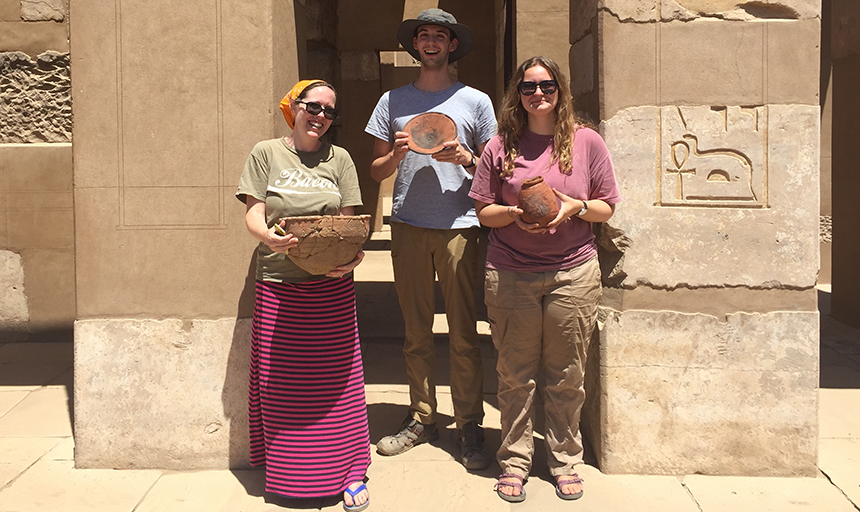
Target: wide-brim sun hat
<point>436,17</point>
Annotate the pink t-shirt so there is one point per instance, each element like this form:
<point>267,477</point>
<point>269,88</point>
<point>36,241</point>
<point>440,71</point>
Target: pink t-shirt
<point>572,243</point>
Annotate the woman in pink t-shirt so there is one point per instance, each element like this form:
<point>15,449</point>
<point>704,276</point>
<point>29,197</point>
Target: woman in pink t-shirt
<point>542,283</point>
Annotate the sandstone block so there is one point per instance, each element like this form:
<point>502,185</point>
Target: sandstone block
<point>362,65</point>
<point>10,10</point>
<point>582,65</point>
<point>14,315</point>
<point>42,10</point>
<point>161,394</point>
<point>544,33</point>
<point>685,394</point>
<point>201,270</point>
<point>33,37</point>
<point>35,100</point>
<point>707,62</point>
<point>582,13</point>
<point>689,222</point>
<point>744,10</point>
<point>628,65</point>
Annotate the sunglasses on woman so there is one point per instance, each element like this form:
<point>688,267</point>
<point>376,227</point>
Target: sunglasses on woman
<point>546,87</point>
<point>315,108</point>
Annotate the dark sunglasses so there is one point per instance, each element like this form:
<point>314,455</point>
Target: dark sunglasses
<point>546,87</point>
<point>315,108</point>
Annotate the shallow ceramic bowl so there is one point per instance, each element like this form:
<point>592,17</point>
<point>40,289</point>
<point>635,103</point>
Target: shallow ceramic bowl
<point>326,241</point>
<point>429,132</point>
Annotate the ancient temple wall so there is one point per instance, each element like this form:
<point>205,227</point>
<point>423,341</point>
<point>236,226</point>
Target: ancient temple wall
<point>37,295</point>
<point>167,108</point>
<point>708,344</point>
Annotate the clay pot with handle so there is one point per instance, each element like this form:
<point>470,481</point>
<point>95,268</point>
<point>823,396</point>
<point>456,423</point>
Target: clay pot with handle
<point>538,202</point>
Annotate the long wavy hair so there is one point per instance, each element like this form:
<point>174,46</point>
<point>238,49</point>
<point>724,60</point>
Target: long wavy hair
<point>513,117</point>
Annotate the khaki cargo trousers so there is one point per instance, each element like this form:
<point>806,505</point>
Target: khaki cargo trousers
<point>541,324</point>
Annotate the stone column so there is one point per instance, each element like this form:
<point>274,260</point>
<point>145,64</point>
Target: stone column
<point>169,99</point>
<point>708,349</point>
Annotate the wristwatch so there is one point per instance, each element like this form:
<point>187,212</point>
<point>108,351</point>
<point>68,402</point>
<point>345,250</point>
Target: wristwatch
<point>583,210</point>
<point>472,164</point>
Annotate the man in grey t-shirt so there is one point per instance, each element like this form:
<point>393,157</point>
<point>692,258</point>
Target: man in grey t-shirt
<point>434,229</point>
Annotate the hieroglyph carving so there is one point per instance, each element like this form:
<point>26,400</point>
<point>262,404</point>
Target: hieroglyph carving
<point>713,157</point>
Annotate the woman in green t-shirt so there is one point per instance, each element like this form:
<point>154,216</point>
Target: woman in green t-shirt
<point>308,413</point>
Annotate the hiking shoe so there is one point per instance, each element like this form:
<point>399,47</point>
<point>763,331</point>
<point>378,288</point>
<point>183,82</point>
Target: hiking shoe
<point>412,433</point>
<point>472,446</point>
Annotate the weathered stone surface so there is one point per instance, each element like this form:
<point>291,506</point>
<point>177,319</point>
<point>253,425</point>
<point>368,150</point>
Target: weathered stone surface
<point>544,32</point>
<point>717,240</point>
<point>628,65</point>
<point>710,62</point>
<point>72,490</point>
<point>582,66</point>
<point>135,118</point>
<point>321,21</point>
<point>35,98</point>
<point>686,10</point>
<point>10,10</point>
<point>743,494</point>
<point>825,229</point>
<point>582,13</point>
<point>34,37</point>
<point>744,10</point>
<point>363,65</point>
<point>42,10</point>
<point>632,11</point>
<point>697,394</point>
<point>793,58</point>
<point>707,62</point>
<point>14,315</point>
<point>161,394</point>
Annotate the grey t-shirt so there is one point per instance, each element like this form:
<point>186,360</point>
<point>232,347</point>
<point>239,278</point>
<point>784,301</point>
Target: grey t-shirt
<point>427,193</point>
<point>295,183</point>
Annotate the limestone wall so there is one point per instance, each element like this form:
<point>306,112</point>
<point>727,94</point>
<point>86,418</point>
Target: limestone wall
<point>708,350</point>
<point>167,109</point>
<point>36,216</point>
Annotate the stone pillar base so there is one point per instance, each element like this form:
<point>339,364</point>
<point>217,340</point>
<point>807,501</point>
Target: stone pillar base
<point>169,394</point>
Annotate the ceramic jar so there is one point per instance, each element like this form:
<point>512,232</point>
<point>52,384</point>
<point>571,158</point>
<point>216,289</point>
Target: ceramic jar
<point>537,201</point>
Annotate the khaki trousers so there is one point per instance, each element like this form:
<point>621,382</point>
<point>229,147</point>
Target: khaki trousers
<point>418,256</point>
<point>542,321</point>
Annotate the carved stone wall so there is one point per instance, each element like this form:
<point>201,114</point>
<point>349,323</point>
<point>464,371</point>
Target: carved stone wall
<point>708,350</point>
<point>167,109</point>
<point>36,217</point>
<point>35,98</point>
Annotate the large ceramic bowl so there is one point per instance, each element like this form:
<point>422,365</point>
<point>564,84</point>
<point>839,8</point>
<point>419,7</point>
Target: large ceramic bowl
<point>326,241</point>
<point>429,132</point>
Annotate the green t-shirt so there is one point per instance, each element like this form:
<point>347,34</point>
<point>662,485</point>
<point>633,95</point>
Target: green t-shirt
<point>296,183</point>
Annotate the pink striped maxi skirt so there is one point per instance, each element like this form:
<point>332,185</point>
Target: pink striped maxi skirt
<point>308,414</point>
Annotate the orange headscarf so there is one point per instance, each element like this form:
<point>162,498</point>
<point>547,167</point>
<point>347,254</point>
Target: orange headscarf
<point>294,93</point>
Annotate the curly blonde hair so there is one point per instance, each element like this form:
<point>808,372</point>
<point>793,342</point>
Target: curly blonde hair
<point>513,117</point>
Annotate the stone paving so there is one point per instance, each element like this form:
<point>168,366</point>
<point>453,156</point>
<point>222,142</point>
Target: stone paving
<point>37,472</point>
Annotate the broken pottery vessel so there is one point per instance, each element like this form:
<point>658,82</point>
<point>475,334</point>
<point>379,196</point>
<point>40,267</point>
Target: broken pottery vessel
<point>429,132</point>
<point>537,201</point>
<point>326,241</point>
